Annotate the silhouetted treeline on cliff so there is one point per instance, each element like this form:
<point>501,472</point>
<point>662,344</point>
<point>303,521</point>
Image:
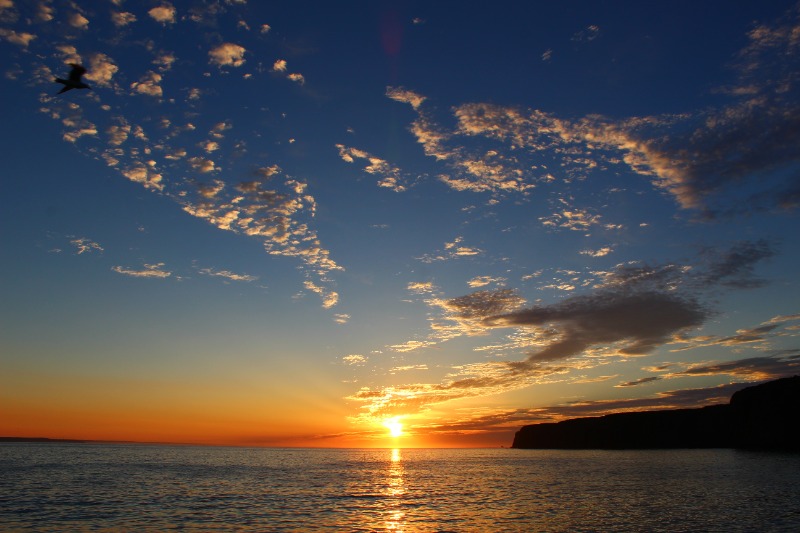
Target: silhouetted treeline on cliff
<point>765,417</point>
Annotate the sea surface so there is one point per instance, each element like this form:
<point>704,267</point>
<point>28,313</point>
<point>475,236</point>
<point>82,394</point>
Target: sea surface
<point>94,487</point>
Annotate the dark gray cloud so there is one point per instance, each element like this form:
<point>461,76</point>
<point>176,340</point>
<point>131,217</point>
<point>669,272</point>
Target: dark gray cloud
<point>753,368</point>
<point>484,303</point>
<point>640,381</point>
<point>735,267</point>
<point>642,321</point>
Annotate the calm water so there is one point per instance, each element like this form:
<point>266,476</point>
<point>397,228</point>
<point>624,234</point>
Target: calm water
<point>51,487</point>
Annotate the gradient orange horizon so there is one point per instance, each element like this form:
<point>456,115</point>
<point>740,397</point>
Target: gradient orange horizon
<point>204,413</point>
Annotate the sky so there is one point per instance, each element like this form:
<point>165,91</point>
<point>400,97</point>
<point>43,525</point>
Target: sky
<point>318,224</point>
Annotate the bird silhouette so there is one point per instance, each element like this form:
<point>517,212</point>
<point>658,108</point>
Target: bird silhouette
<point>74,79</point>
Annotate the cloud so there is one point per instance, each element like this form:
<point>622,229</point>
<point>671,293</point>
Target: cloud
<point>84,245</point>
<point>297,78</point>
<point>420,287</point>
<point>273,209</point>
<point>400,94</point>
<point>590,33</point>
<point>279,65</point>
<point>227,55</point>
<point>101,69</point>
<point>122,18</point>
<point>202,164</point>
<point>638,322</point>
<point>750,369</point>
<point>165,14</point>
<point>638,382</point>
<point>144,175</point>
<point>601,252</point>
<point>482,281</point>
<point>148,84</point>
<point>20,39</point>
<point>452,250</point>
<point>227,275</point>
<point>407,368</point>
<point>758,337</point>
<point>630,312</point>
<point>354,359</point>
<point>76,20</point>
<point>329,298</point>
<point>390,177</point>
<point>149,271</point>
<point>164,61</point>
<point>736,158</point>
<point>735,267</point>
<point>44,12</point>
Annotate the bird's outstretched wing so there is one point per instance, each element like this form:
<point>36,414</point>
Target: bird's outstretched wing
<point>76,72</point>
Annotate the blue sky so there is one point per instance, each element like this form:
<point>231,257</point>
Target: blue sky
<point>274,224</point>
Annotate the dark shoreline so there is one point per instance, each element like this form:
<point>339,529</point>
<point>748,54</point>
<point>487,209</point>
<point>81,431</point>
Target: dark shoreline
<point>762,417</point>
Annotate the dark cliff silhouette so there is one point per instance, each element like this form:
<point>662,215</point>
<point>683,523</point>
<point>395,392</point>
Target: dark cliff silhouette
<point>762,417</point>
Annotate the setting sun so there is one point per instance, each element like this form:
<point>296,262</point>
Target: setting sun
<point>394,425</point>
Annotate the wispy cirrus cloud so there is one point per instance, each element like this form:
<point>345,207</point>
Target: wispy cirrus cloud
<point>84,245</point>
<point>390,177</point>
<point>154,270</point>
<point>227,274</point>
<point>452,250</point>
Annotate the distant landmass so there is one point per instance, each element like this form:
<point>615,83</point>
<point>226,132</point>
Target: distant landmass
<point>40,439</point>
<point>762,417</point>
<point>45,440</point>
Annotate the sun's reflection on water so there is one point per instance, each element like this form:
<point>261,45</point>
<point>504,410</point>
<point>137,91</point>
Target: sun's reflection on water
<point>395,490</point>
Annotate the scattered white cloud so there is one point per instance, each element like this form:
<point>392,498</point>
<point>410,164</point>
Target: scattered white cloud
<point>149,84</point>
<point>101,69</point>
<point>482,281</point>
<point>400,94</point>
<point>201,164</point>
<point>20,39</point>
<point>600,252</point>
<point>227,55</point>
<point>452,250</point>
<point>122,18</point>
<point>165,14</point>
<point>84,245</point>
<point>77,20</point>
<point>149,271</point>
<point>227,274</point>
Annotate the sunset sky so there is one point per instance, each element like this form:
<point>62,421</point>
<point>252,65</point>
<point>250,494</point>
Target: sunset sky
<point>311,223</point>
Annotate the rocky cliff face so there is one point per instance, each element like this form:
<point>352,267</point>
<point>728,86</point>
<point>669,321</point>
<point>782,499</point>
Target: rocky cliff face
<point>765,416</point>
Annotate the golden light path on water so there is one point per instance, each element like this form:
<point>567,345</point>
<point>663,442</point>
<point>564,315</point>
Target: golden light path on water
<point>395,492</point>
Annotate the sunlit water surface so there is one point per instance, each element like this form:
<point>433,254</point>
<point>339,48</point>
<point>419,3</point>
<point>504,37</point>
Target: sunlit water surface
<point>55,487</point>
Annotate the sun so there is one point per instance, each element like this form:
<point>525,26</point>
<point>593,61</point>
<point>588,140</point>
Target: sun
<point>394,426</point>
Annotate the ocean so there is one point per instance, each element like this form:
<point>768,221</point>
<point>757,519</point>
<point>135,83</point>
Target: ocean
<point>141,488</point>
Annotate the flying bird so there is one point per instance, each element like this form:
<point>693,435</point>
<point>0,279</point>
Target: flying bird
<point>74,80</point>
